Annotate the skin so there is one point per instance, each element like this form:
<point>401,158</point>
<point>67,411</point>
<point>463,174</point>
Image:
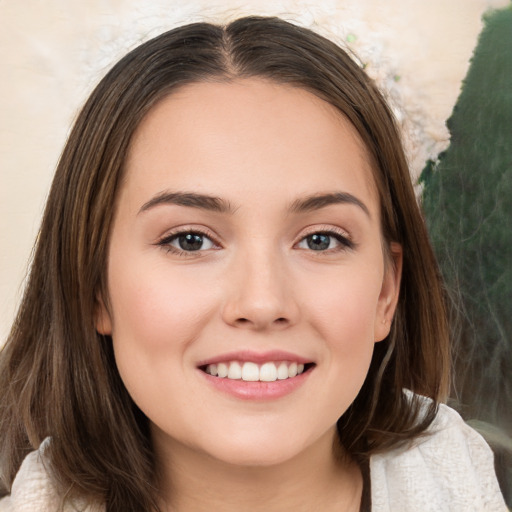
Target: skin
<point>256,285</point>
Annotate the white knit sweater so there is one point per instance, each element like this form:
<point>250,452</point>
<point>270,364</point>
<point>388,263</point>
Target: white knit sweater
<point>450,470</point>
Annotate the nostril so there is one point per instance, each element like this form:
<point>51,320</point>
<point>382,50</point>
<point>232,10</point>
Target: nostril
<point>260,322</point>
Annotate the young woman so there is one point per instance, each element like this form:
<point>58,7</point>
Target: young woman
<point>233,302</point>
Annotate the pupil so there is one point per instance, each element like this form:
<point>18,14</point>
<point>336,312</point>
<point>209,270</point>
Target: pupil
<point>318,242</point>
<point>190,242</point>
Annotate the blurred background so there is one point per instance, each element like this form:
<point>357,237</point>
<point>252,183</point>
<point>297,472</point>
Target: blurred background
<point>446,67</point>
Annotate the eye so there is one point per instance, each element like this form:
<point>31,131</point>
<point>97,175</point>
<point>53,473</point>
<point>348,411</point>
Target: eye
<point>187,241</point>
<point>325,241</point>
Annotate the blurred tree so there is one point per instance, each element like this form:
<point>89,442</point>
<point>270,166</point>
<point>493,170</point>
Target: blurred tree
<point>467,199</point>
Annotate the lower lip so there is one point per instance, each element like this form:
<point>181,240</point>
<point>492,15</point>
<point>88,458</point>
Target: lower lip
<point>257,390</point>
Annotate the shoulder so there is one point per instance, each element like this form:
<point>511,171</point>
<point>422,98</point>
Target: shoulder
<point>449,469</point>
<point>33,488</point>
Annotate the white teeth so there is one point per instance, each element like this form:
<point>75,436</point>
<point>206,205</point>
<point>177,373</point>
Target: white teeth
<point>268,372</point>
<point>235,371</point>
<point>251,372</point>
<point>222,369</point>
<point>282,371</point>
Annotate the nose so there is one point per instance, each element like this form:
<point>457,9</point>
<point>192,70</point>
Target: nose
<point>260,293</point>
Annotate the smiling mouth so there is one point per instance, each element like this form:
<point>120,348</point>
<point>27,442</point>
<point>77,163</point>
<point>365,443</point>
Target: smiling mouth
<point>252,372</point>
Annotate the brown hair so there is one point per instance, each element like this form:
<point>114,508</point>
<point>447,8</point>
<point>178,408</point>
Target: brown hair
<point>58,376</point>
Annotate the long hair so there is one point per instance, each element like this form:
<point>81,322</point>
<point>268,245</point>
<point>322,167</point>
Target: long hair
<point>58,376</point>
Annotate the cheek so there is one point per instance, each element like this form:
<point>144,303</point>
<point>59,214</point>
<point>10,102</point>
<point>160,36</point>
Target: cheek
<point>157,315</point>
<point>344,307</point>
<point>343,314</point>
<point>153,306</point>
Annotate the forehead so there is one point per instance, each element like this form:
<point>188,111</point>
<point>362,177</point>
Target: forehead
<point>207,134</point>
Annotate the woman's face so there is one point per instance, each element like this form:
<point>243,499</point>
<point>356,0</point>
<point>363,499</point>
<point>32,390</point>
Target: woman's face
<point>246,242</point>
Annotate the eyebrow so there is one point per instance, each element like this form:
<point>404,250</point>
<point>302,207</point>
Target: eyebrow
<point>190,199</point>
<point>216,204</point>
<point>318,201</point>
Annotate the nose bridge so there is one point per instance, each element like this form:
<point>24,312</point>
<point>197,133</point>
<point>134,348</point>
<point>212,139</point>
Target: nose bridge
<point>261,295</point>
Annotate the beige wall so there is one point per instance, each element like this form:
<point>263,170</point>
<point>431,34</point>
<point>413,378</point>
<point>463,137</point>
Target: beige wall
<point>53,52</point>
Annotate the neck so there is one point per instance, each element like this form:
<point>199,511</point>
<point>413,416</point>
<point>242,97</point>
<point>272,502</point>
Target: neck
<point>316,479</point>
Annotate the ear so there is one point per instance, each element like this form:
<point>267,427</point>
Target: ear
<point>388,298</point>
<point>102,319</point>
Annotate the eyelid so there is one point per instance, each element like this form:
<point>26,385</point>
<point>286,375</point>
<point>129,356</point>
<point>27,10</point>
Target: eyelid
<point>324,228</point>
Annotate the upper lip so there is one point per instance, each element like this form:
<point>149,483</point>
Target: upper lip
<point>255,357</point>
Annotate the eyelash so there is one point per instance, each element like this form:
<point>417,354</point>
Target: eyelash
<point>165,242</point>
<point>339,235</point>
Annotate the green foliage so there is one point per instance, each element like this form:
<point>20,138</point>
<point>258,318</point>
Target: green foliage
<point>467,201</point>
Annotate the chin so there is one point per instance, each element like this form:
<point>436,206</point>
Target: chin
<point>258,449</point>
<point>256,456</point>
